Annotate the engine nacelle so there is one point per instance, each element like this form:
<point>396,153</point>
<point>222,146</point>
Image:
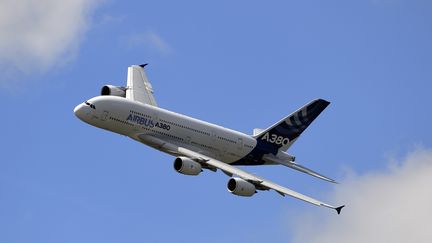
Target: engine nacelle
<point>187,166</point>
<point>113,90</point>
<point>240,187</point>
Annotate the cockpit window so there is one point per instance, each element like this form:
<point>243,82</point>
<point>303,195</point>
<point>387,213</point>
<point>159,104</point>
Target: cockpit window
<point>91,105</point>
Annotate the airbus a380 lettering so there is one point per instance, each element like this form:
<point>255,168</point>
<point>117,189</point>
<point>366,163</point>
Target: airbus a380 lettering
<point>132,111</point>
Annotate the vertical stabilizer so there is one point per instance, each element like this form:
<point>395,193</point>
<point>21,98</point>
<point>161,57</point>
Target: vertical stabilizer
<point>284,133</point>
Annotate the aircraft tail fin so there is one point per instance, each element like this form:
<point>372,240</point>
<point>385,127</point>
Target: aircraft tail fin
<point>284,133</point>
<point>138,87</point>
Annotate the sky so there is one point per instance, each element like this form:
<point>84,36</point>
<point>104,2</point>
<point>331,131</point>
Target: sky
<point>239,64</point>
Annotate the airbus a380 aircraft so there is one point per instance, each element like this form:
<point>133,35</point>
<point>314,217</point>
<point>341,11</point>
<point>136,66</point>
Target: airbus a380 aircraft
<point>132,111</point>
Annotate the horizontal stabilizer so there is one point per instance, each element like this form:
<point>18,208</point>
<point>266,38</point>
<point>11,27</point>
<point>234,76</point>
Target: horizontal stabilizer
<point>257,131</point>
<point>305,170</point>
<point>295,166</point>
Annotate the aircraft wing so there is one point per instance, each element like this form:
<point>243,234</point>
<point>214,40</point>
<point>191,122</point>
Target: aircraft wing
<point>230,170</point>
<point>138,87</point>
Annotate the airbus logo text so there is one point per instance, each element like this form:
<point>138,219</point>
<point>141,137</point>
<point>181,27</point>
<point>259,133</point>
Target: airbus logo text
<point>147,122</point>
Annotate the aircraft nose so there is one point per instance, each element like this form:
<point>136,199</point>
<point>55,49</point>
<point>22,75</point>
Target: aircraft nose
<point>79,111</point>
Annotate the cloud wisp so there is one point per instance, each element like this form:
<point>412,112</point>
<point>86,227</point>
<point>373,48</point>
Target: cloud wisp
<point>35,35</point>
<point>391,206</point>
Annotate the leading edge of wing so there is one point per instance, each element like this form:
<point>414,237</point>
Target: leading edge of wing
<point>230,170</point>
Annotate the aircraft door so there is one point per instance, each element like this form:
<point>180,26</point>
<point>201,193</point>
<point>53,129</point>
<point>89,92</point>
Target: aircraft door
<point>188,140</point>
<point>104,115</point>
<point>240,143</point>
<point>213,137</point>
<point>155,118</point>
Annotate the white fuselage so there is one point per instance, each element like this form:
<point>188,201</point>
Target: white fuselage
<point>134,119</point>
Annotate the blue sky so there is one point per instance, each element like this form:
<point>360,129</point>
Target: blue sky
<point>242,64</point>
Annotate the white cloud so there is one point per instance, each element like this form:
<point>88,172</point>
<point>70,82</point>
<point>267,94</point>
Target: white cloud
<point>149,40</point>
<point>35,35</point>
<point>391,206</point>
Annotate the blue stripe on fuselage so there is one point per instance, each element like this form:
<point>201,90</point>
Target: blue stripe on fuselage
<point>255,156</point>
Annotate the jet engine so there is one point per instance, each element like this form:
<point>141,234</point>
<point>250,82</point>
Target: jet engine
<point>240,187</point>
<point>113,90</point>
<point>187,166</point>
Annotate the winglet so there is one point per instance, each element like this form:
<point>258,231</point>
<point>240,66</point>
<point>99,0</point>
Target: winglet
<point>139,87</point>
<point>143,65</point>
<point>338,209</point>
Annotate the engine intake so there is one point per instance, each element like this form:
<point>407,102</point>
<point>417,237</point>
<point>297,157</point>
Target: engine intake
<point>187,166</point>
<point>113,90</point>
<point>240,187</point>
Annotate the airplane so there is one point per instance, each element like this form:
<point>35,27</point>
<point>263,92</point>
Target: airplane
<point>132,111</point>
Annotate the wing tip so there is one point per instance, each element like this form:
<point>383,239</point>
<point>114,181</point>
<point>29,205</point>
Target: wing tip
<point>339,209</point>
<point>143,65</point>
